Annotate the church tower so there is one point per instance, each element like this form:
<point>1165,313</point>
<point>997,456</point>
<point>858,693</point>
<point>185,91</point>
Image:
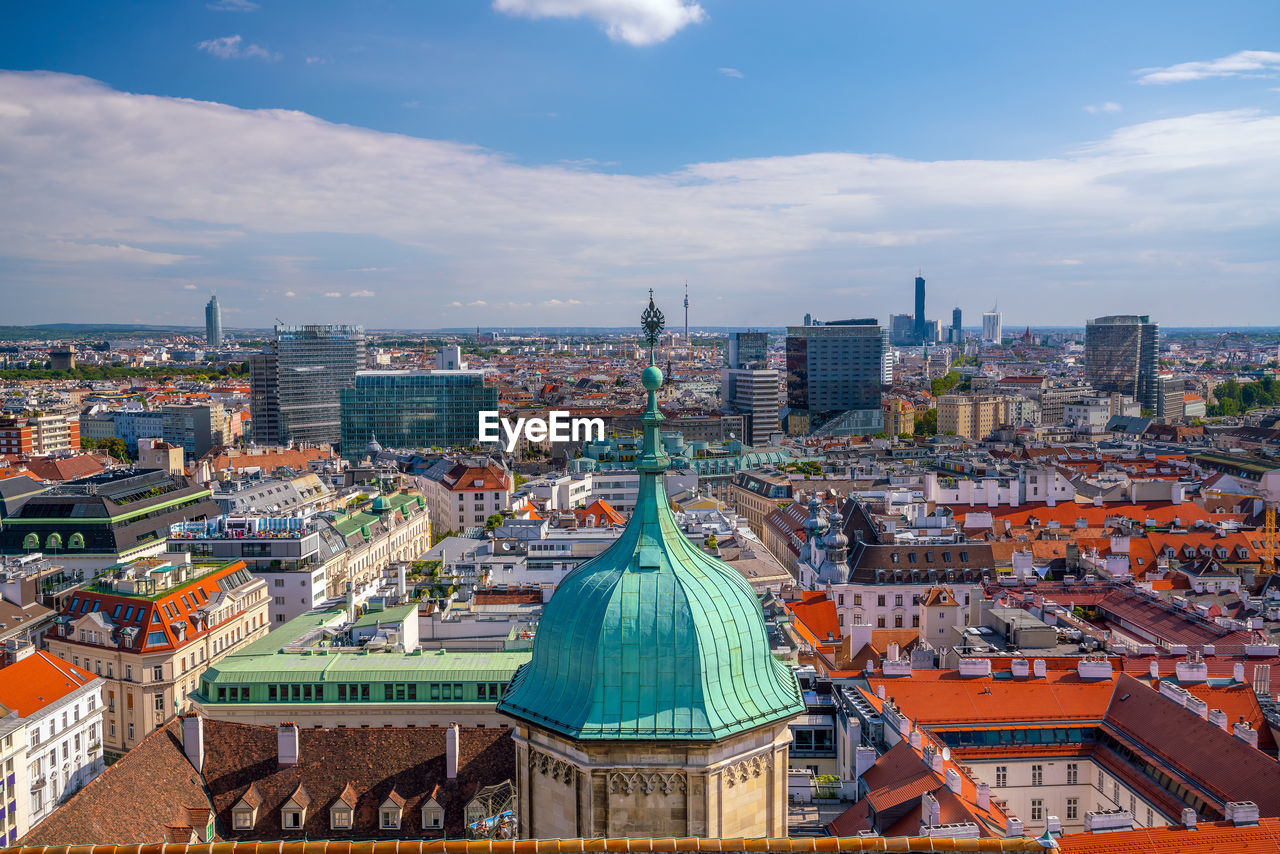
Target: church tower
<point>652,705</point>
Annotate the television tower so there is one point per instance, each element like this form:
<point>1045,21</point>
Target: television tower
<point>688,342</point>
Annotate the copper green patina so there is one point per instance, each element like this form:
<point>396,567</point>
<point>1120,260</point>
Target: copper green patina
<point>653,639</point>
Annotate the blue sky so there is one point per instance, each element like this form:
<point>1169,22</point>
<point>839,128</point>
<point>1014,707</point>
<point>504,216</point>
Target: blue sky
<point>544,161</point>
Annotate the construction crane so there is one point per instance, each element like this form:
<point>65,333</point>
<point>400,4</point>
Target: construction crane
<point>1269,538</point>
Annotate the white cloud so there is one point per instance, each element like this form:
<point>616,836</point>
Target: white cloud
<point>455,304</point>
<point>233,47</point>
<point>313,60</point>
<point>1245,63</point>
<point>555,302</point>
<point>730,72</point>
<point>105,185</point>
<point>233,6</point>
<point>636,22</point>
<point>290,294</point>
<point>189,288</point>
<point>1104,107</point>
<point>332,294</point>
<point>363,292</point>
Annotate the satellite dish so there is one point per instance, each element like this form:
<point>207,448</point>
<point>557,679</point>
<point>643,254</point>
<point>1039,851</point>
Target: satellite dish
<point>946,754</point>
<point>506,547</point>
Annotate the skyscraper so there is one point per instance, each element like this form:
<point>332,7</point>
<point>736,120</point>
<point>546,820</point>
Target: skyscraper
<point>295,382</point>
<point>836,368</point>
<point>213,322</point>
<point>1120,355</point>
<point>414,409</point>
<point>919,327</point>
<point>957,328</point>
<point>748,387</point>
<point>992,329</point>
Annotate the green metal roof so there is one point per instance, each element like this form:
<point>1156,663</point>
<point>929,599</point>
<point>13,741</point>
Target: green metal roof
<point>653,639</point>
<point>266,661</point>
<point>397,614</point>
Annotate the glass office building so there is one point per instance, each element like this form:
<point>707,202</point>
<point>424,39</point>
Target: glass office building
<point>414,409</point>
<point>1121,355</point>
<point>295,382</point>
<point>835,368</point>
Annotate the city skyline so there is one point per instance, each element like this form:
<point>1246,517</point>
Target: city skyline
<point>510,165</point>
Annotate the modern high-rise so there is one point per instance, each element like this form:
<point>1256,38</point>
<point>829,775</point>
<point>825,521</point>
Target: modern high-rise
<point>919,315</point>
<point>1120,355</point>
<point>833,369</point>
<point>414,409</point>
<point>902,330</point>
<point>213,322</point>
<point>957,328</point>
<point>748,387</point>
<point>296,379</point>
<point>992,329</point>
<point>747,350</point>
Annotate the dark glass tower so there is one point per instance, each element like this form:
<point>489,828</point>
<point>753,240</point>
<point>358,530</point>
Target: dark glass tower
<point>296,379</point>
<point>920,322</point>
<point>1120,355</point>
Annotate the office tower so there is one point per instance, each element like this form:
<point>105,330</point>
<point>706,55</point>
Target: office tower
<point>747,350</point>
<point>748,387</point>
<point>957,329</point>
<point>932,332</point>
<point>295,381</point>
<point>992,331</point>
<point>213,322</point>
<point>414,409</point>
<point>808,320</point>
<point>1120,355</point>
<point>902,330</point>
<point>836,369</point>
<point>919,315</point>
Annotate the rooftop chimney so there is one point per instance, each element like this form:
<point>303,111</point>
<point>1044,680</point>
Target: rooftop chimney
<point>451,751</point>
<point>930,811</point>
<point>1155,669</point>
<point>1198,706</point>
<point>1218,718</point>
<point>1237,672</point>
<point>1038,668</point>
<point>1246,733</point>
<point>1191,672</point>
<point>1019,667</point>
<point>863,759</point>
<point>1012,827</point>
<point>193,739</point>
<point>1189,818</point>
<point>914,739</point>
<point>1053,826</point>
<point>953,779</point>
<point>984,796</point>
<point>1243,813</point>
<point>287,744</point>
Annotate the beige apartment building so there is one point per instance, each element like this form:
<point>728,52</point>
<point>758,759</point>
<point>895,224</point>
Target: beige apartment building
<point>150,628</point>
<point>756,494</point>
<point>972,416</point>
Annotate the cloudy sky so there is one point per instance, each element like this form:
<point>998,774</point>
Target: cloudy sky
<point>526,162</point>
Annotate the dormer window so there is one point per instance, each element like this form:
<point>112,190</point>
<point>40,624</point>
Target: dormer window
<point>291,819</point>
<point>242,818</point>
<point>390,811</point>
<point>432,815</point>
<point>340,817</point>
<point>1243,552</point>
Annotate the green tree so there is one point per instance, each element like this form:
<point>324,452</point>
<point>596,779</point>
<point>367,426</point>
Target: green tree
<point>941,385</point>
<point>493,521</point>
<point>114,447</point>
<point>927,424</point>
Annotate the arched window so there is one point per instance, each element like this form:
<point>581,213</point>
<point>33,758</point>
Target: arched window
<point>54,541</point>
<point>76,541</point>
<point>31,541</point>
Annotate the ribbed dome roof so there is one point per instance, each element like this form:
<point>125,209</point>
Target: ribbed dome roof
<point>653,638</point>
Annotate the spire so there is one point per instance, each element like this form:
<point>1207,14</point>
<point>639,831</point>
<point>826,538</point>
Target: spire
<point>653,458</point>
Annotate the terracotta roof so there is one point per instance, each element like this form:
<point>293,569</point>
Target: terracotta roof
<point>135,800</point>
<point>375,762</point>
<point>938,596</point>
<point>1221,837</point>
<point>816,615</point>
<point>939,698</point>
<point>738,845</point>
<point>66,468</point>
<point>1226,767</point>
<point>601,512</point>
<point>29,685</point>
<point>1066,514</point>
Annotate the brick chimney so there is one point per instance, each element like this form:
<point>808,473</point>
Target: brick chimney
<point>915,739</point>
<point>1012,827</point>
<point>1053,825</point>
<point>193,739</point>
<point>1245,732</point>
<point>287,754</point>
<point>1038,667</point>
<point>1188,818</point>
<point>953,780</point>
<point>1218,718</point>
<point>451,737</point>
<point>1237,672</point>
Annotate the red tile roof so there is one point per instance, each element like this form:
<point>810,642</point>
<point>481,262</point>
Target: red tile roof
<point>816,618</point>
<point>38,680</point>
<point>1221,837</point>
<point>938,698</point>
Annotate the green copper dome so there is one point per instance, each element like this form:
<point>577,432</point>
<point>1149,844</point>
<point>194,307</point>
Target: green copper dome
<point>653,638</point>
